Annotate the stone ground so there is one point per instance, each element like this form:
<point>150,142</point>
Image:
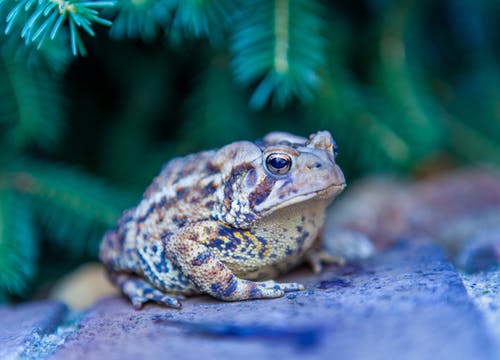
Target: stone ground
<point>408,303</point>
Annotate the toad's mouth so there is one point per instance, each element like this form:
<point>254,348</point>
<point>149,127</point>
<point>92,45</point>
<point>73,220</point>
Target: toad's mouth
<point>326,194</point>
<point>332,190</point>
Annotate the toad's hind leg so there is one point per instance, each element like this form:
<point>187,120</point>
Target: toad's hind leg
<point>188,251</point>
<point>139,291</point>
<point>124,270</point>
<point>113,254</point>
<point>160,271</point>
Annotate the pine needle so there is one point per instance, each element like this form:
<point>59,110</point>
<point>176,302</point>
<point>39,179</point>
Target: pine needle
<point>280,45</point>
<point>141,19</point>
<point>195,19</point>
<point>74,207</point>
<point>18,242</point>
<point>32,103</point>
<point>45,18</point>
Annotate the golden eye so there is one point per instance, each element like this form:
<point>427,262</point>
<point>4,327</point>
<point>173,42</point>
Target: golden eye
<point>278,164</point>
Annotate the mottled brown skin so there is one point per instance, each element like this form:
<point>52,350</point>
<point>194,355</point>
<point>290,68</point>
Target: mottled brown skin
<point>225,222</point>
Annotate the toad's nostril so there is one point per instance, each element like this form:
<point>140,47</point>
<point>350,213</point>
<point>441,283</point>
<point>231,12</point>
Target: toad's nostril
<point>313,165</point>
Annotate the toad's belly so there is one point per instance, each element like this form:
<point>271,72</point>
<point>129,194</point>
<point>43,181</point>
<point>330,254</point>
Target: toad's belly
<point>282,240</point>
<point>256,257</point>
<point>265,272</point>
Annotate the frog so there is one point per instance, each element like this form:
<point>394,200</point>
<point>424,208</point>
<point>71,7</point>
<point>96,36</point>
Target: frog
<point>226,222</point>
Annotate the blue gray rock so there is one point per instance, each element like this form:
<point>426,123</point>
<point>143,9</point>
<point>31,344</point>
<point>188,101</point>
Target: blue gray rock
<point>484,290</point>
<point>22,325</point>
<point>405,303</point>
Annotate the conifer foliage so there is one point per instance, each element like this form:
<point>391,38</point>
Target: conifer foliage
<point>42,20</point>
<point>96,94</point>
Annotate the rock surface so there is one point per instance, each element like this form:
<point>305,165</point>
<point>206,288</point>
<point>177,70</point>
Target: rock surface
<point>405,303</point>
<point>22,324</point>
<point>484,289</point>
<point>459,210</point>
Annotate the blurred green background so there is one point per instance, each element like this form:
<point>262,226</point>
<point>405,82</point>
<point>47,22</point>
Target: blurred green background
<point>407,87</point>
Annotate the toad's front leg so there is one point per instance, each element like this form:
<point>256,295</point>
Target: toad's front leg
<point>188,250</point>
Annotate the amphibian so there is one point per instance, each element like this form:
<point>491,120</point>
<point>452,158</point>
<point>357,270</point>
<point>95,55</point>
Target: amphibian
<point>226,222</point>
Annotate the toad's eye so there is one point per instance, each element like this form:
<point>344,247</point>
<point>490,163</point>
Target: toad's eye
<point>278,164</point>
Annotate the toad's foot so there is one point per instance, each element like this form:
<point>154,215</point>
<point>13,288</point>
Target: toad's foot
<point>285,287</point>
<point>259,290</point>
<point>316,259</point>
<point>140,292</point>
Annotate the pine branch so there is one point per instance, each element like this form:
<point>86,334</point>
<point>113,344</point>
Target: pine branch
<point>141,19</point>
<point>45,18</point>
<point>179,20</point>
<point>52,56</point>
<point>18,242</point>
<point>355,117</point>
<point>403,88</point>
<point>391,117</point>
<point>471,144</point>
<point>30,106</point>
<point>74,207</point>
<point>201,19</point>
<point>373,132</point>
<point>280,43</point>
<point>205,115</point>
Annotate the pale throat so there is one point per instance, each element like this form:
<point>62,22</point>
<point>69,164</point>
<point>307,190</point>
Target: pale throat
<point>293,221</point>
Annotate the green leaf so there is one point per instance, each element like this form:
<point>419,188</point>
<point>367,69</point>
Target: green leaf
<point>280,44</point>
<point>18,242</point>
